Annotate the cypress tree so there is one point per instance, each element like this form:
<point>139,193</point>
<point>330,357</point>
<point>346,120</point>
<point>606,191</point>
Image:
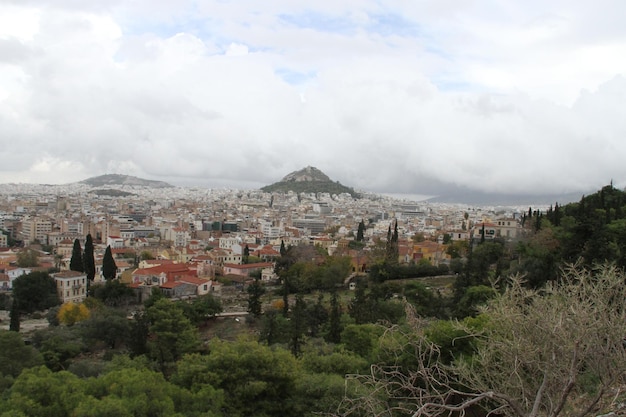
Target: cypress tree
<point>255,304</point>
<point>76,262</point>
<point>334,325</point>
<point>360,232</point>
<point>109,268</point>
<point>89,262</point>
<point>246,254</point>
<point>14,324</point>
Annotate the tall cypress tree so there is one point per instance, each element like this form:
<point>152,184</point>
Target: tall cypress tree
<point>89,262</point>
<point>76,262</point>
<point>360,232</point>
<point>109,268</point>
<point>334,325</point>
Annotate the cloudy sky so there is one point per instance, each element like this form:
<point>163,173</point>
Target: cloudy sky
<point>385,96</point>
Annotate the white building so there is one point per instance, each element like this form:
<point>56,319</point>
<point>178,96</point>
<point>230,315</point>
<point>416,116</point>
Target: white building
<point>71,286</point>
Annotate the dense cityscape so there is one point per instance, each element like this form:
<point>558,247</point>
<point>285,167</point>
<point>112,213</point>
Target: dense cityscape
<point>208,230</point>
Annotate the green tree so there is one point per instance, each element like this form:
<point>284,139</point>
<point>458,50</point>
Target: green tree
<point>256,379</point>
<point>109,268</point>
<point>113,293</point>
<point>76,261</point>
<point>334,321</point>
<point>200,309</point>
<point>298,325</point>
<point>274,328</point>
<point>360,231</point>
<point>256,290</point>
<point>15,356</point>
<point>39,392</point>
<point>27,258</point>
<point>171,333</point>
<point>32,292</point>
<point>89,262</point>
<point>549,352</point>
<point>246,254</point>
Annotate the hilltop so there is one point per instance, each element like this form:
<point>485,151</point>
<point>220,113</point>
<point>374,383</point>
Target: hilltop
<point>118,179</point>
<point>309,180</point>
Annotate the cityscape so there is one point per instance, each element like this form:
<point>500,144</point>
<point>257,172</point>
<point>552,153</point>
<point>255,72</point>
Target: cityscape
<point>180,239</point>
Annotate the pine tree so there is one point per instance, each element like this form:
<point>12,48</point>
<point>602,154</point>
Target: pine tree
<point>76,262</point>
<point>109,268</point>
<point>283,250</point>
<point>89,262</point>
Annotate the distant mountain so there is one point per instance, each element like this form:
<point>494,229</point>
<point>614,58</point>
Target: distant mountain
<point>308,180</point>
<point>118,179</point>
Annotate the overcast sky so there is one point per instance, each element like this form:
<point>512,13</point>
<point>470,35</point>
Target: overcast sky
<point>385,96</point>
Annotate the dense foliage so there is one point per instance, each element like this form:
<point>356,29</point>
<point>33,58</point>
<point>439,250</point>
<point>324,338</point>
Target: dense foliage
<point>515,330</point>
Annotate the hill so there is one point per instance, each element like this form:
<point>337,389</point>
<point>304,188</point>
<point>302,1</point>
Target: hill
<point>309,180</point>
<point>118,179</point>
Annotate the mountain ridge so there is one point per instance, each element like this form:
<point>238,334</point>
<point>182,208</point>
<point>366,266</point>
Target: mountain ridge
<point>309,180</point>
<point>120,179</point>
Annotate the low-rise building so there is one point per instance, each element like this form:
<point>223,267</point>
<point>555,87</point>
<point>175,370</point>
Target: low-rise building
<point>71,286</point>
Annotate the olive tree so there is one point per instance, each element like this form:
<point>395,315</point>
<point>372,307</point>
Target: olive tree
<point>542,352</point>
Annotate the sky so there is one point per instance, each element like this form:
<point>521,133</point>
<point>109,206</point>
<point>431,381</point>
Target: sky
<point>393,96</point>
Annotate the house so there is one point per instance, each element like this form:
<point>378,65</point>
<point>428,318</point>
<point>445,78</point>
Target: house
<point>14,272</point>
<point>508,228</point>
<point>71,286</point>
<point>178,289</point>
<point>159,275</point>
<point>432,251</point>
<point>203,286</point>
<point>267,253</point>
<point>115,242</point>
<point>246,269</point>
<point>4,282</point>
<point>490,230</point>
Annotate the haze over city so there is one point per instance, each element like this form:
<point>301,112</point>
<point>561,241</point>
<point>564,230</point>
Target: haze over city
<point>397,97</point>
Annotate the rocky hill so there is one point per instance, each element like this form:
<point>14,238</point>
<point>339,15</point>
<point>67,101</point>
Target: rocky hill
<point>118,179</point>
<point>309,180</point>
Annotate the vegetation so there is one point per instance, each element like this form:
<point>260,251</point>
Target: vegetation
<point>533,327</point>
<point>76,261</point>
<point>89,263</point>
<point>109,268</point>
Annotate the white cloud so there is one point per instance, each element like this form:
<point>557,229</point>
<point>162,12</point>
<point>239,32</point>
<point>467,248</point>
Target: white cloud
<point>522,97</point>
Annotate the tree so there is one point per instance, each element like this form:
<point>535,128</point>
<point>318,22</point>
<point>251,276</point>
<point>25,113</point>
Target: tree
<point>171,333</point>
<point>15,355</point>
<point>27,258</point>
<point>76,261</point>
<point>71,313</point>
<point>109,268</point>
<point>334,320</point>
<point>246,254</point>
<point>298,324</point>
<point>549,352</point>
<point>89,262</point>
<point>113,293</point>
<point>32,292</point>
<point>257,380</point>
<point>255,292</point>
<point>360,231</point>
<point>201,309</point>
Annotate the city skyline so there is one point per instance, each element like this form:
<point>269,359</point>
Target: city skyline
<point>392,97</point>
